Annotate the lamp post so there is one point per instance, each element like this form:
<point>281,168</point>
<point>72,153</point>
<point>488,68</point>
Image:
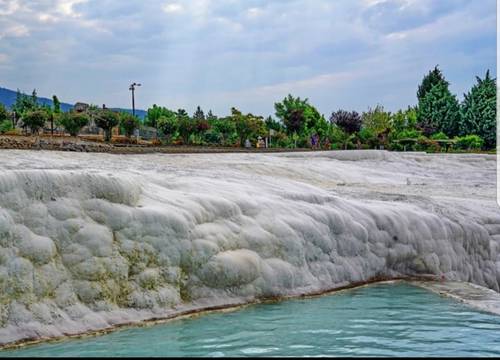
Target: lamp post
<point>132,88</point>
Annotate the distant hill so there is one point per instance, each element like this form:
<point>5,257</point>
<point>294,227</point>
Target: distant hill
<point>8,98</point>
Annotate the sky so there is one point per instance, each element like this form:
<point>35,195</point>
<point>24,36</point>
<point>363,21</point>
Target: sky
<point>349,54</point>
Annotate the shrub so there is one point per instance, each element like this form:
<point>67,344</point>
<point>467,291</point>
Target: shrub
<point>5,126</point>
<point>439,136</point>
<point>397,147</point>
<point>201,126</point>
<point>212,137</point>
<point>469,142</point>
<point>368,137</point>
<point>426,144</point>
<point>73,122</point>
<point>408,134</point>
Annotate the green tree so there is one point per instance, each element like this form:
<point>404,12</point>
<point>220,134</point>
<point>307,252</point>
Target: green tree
<point>198,115</point>
<point>247,126</point>
<point>34,98</point>
<point>377,120</point>
<point>5,126</point>
<point>338,136</point>
<point>297,115</point>
<point>404,120</point>
<point>478,111</point>
<point>129,123</point>
<point>439,111</point>
<point>210,116</point>
<point>5,123</point>
<point>4,114</point>
<point>24,103</point>
<point>35,120</point>
<point>154,113</point>
<point>434,77</point>
<point>368,137</point>
<point>56,105</point>
<point>201,124</point>
<point>186,125</point>
<point>225,127</point>
<point>168,125</point>
<point>73,122</point>
<point>55,112</point>
<point>107,120</point>
<point>322,128</point>
<point>273,124</point>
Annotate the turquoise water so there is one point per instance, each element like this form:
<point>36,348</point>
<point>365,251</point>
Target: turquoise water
<point>384,319</point>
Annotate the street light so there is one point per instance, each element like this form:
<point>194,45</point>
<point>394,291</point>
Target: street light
<point>132,88</point>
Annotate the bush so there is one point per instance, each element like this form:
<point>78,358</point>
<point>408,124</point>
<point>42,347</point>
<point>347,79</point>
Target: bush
<point>469,142</point>
<point>5,126</point>
<point>213,137</point>
<point>73,122</point>
<point>426,144</point>
<point>368,138</point>
<point>408,134</point>
<point>396,147</point>
<point>439,136</point>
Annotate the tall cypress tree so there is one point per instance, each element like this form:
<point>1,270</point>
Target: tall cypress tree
<point>210,116</point>
<point>478,111</point>
<point>56,104</point>
<point>434,77</point>
<point>439,111</point>
<point>198,114</point>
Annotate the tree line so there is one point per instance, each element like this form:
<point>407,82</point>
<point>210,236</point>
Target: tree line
<point>34,116</point>
<point>436,121</point>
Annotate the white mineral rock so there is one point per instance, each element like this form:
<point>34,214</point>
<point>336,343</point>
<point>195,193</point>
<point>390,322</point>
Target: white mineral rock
<point>88,241</point>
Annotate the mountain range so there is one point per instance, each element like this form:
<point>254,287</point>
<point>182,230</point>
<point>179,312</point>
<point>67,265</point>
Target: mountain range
<point>8,98</point>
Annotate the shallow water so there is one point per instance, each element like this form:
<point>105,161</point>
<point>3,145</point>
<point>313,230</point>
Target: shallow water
<point>383,319</point>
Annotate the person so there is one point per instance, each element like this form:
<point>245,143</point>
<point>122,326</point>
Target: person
<point>316,141</point>
<point>247,144</point>
<point>313,142</point>
<point>326,144</point>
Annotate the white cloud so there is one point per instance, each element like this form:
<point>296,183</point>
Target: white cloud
<point>65,7</point>
<point>254,12</point>
<point>173,8</point>
<point>9,7</point>
<point>16,30</point>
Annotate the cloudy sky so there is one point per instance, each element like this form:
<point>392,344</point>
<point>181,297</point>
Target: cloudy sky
<point>246,53</point>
